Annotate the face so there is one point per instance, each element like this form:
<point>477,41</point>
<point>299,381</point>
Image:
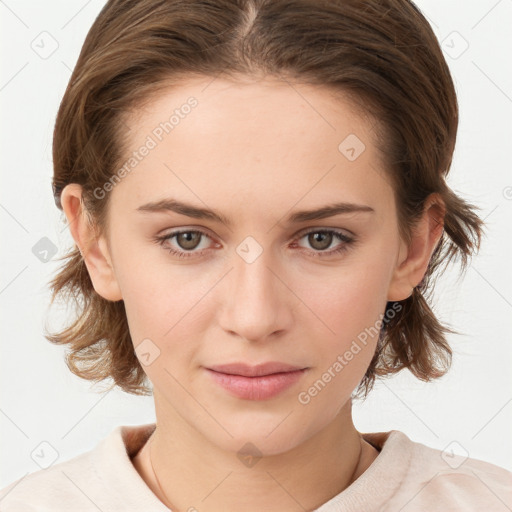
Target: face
<point>255,282</point>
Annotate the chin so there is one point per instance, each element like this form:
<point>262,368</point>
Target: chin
<point>263,433</point>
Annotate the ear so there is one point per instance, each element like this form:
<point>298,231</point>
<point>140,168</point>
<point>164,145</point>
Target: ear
<point>94,249</point>
<point>412,261</point>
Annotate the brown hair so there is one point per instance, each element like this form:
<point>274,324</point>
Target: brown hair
<point>381,53</point>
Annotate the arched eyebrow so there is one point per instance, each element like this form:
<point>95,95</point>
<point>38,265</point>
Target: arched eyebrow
<point>190,210</point>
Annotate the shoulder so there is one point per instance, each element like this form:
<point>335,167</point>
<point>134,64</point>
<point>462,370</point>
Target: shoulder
<point>440,477</point>
<point>59,485</point>
<point>103,478</point>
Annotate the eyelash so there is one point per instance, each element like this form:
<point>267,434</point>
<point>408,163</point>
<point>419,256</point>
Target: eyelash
<point>347,241</point>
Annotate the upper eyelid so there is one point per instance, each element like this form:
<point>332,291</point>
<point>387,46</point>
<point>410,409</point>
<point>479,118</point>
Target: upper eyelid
<point>306,231</point>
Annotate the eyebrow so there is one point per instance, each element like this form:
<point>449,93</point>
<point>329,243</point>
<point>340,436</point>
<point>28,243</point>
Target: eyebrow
<point>189,210</point>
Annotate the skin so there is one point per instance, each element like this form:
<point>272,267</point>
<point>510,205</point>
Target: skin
<point>255,151</point>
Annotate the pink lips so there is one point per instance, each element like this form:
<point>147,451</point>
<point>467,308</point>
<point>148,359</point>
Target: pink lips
<point>258,382</point>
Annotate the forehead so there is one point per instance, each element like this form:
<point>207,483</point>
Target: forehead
<point>267,141</point>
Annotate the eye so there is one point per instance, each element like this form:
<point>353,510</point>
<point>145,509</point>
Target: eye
<point>322,239</point>
<point>186,241</point>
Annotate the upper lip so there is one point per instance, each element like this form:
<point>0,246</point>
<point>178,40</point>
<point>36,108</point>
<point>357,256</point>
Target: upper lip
<point>258,370</point>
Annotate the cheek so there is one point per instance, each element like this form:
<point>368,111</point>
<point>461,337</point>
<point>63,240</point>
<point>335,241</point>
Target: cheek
<point>156,292</point>
<point>350,301</point>
<point>351,305</point>
<point>164,310</point>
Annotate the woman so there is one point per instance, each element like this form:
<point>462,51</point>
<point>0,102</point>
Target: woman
<point>257,194</point>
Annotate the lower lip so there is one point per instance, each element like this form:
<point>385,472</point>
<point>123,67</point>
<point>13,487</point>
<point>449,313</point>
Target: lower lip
<point>257,388</point>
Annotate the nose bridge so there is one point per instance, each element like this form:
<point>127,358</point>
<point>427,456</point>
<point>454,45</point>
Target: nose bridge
<point>256,302</point>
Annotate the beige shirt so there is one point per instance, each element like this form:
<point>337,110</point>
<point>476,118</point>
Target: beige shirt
<point>406,476</point>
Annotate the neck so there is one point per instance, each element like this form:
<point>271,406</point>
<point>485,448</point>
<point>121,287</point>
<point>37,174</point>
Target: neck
<point>184,471</point>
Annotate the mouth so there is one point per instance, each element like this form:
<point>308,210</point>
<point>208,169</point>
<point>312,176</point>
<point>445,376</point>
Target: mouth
<point>260,382</point>
<point>259,370</point>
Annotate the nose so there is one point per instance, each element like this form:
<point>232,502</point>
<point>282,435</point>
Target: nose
<point>256,304</point>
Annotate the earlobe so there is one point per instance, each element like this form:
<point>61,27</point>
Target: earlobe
<point>94,249</point>
<point>411,269</point>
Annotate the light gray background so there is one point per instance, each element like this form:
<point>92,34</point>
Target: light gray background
<point>469,410</point>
